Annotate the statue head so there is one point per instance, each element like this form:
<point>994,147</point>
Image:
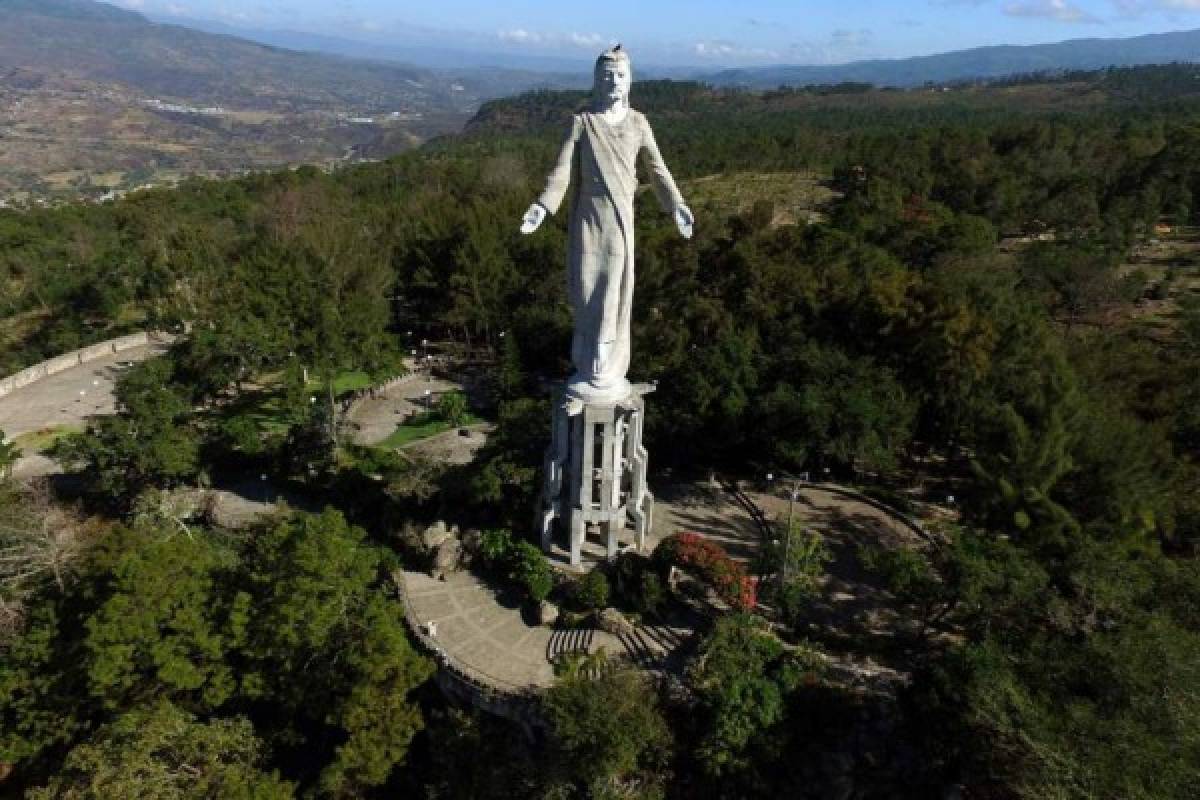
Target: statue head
<point>613,77</point>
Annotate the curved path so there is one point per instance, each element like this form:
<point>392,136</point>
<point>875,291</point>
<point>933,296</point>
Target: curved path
<point>375,418</point>
<point>483,635</point>
<point>67,399</point>
<point>70,397</point>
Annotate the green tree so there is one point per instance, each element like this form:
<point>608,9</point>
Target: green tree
<point>742,678</point>
<point>149,443</point>
<point>160,751</point>
<point>290,627</point>
<point>160,631</point>
<point>477,756</point>
<point>528,568</point>
<point>452,407</point>
<point>329,649</point>
<point>591,592</point>
<point>841,408</point>
<point>608,736</point>
<point>797,559</point>
<point>9,453</point>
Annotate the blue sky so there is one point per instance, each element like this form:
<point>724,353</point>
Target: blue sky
<point>703,32</point>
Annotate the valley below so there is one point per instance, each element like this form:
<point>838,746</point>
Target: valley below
<point>65,139</point>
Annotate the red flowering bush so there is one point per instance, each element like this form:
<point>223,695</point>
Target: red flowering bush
<point>709,561</point>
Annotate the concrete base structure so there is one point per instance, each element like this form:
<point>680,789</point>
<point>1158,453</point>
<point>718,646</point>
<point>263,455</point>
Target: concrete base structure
<point>595,473</point>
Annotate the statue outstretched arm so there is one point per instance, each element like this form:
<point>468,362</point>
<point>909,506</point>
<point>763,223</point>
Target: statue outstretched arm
<point>664,185</point>
<point>556,184</point>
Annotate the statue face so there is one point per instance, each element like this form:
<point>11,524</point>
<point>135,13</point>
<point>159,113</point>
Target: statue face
<point>613,80</point>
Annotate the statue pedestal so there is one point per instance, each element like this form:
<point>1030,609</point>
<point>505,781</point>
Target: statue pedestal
<point>595,472</point>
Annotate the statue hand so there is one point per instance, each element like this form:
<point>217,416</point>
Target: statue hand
<point>533,219</point>
<point>684,221</point>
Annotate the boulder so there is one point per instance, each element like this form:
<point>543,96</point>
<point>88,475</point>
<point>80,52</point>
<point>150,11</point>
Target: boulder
<point>547,613</point>
<point>612,621</point>
<point>409,536</point>
<point>472,541</point>
<point>434,535</point>
<point>447,558</point>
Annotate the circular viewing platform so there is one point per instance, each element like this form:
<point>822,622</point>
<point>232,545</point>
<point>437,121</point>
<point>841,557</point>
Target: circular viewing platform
<point>488,642</point>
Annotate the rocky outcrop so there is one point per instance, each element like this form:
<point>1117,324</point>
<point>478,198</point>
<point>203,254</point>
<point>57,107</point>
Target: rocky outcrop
<point>433,536</point>
<point>612,621</point>
<point>447,558</point>
<point>547,614</point>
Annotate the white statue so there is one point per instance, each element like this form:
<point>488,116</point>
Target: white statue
<point>604,143</point>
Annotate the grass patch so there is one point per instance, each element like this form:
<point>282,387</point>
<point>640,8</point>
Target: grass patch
<point>422,426</point>
<point>44,439</point>
<point>797,197</point>
<point>265,405</point>
<point>350,382</point>
<point>344,383</point>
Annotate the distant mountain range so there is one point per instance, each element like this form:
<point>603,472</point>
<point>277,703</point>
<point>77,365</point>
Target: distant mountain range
<point>95,99</point>
<point>431,49</point>
<point>102,43</point>
<point>977,63</point>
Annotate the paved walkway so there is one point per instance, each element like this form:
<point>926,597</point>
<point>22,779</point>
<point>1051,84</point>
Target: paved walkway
<point>70,397</point>
<point>376,418</point>
<point>488,638</point>
<point>483,634</point>
<point>67,399</point>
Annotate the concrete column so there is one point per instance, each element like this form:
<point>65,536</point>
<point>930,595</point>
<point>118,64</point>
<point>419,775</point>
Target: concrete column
<point>593,448</point>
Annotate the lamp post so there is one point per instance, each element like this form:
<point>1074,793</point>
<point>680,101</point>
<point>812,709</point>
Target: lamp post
<point>793,496</point>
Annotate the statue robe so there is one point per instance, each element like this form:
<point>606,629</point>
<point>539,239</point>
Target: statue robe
<point>600,250</point>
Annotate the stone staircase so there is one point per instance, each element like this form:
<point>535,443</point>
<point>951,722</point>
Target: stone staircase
<point>564,641</point>
<point>656,645</point>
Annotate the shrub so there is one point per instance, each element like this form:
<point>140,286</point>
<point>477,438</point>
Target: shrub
<point>592,591</point>
<point>452,408</point>
<point>636,585</point>
<point>529,569</point>
<point>709,561</point>
<point>652,595</point>
<point>519,562</point>
<point>494,547</point>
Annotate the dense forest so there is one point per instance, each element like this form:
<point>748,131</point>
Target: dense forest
<point>961,313</point>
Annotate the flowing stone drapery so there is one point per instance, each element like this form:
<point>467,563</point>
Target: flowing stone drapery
<point>600,271</point>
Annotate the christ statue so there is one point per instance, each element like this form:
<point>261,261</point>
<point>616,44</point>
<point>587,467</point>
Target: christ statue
<point>602,148</point>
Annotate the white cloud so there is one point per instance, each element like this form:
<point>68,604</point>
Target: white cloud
<point>1171,8</point>
<point>520,36</point>
<point>839,47</point>
<point>1058,10</point>
<point>851,39</point>
<point>589,40</point>
<point>574,39</point>
<point>1177,5</point>
<point>728,51</point>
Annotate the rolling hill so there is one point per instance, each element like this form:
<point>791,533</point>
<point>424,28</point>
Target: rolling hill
<point>978,63</point>
<point>95,99</point>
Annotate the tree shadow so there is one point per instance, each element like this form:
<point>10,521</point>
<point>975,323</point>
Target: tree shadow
<point>740,538</point>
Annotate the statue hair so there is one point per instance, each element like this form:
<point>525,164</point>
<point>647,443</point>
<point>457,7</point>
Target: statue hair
<point>615,55</point>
